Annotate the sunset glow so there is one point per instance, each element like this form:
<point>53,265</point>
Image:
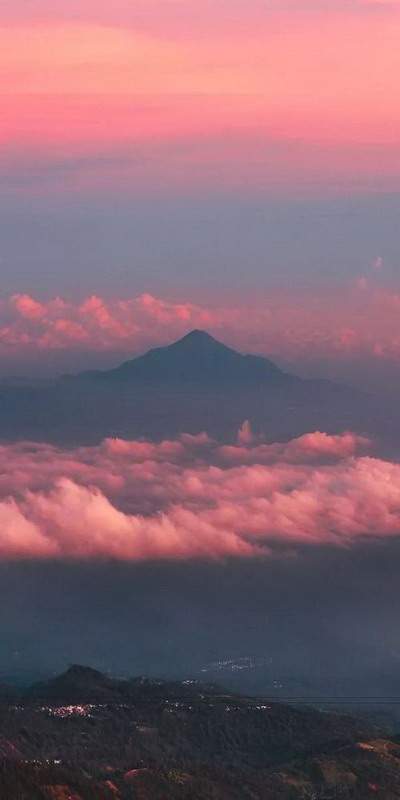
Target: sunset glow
<point>95,91</point>
<point>199,399</point>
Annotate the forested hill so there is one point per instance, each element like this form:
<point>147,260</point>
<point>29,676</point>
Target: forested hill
<point>86,736</point>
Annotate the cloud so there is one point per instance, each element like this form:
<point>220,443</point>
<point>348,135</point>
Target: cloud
<point>193,498</point>
<point>245,433</point>
<point>344,324</point>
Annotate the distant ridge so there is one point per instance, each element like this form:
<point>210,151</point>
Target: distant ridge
<point>76,680</point>
<point>197,357</point>
<point>192,385</point>
<point>80,684</point>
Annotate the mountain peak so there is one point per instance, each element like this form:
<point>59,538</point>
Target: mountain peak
<point>81,671</point>
<point>196,358</point>
<point>76,682</point>
<point>197,340</point>
<point>197,335</point>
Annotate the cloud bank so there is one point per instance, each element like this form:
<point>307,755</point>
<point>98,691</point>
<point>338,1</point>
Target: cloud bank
<point>350,322</point>
<point>193,498</point>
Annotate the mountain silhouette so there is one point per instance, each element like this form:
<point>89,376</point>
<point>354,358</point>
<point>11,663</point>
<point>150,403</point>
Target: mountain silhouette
<point>80,684</point>
<point>197,357</point>
<point>74,684</point>
<point>195,384</point>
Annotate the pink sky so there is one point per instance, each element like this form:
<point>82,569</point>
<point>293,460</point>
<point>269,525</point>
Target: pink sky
<point>172,96</point>
<point>232,92</point>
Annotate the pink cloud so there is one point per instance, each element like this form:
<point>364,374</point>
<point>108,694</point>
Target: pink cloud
<point>28,307</point>
<point>245,433</point>
<point>342,324</point>
<point>317,447</point>
<point>193,498</point>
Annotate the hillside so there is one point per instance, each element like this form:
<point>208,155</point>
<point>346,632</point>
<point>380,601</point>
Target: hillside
<point>84,735</point>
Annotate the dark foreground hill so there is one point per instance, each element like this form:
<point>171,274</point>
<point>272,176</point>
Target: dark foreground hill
<point>85,736</point>
<point>193,385</point>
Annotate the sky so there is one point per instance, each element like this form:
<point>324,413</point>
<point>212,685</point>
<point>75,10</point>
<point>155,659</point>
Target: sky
<point>229,165</point>
<point>223,155</point>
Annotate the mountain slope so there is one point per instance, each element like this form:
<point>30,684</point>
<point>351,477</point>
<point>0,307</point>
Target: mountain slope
<point>196,384</point>
<point>197,358</point>
<point>81,684</point>
<point>168,741</point>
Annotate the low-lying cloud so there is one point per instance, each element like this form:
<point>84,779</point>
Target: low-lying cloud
<point>357,324</point>
<point>193,498</point>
